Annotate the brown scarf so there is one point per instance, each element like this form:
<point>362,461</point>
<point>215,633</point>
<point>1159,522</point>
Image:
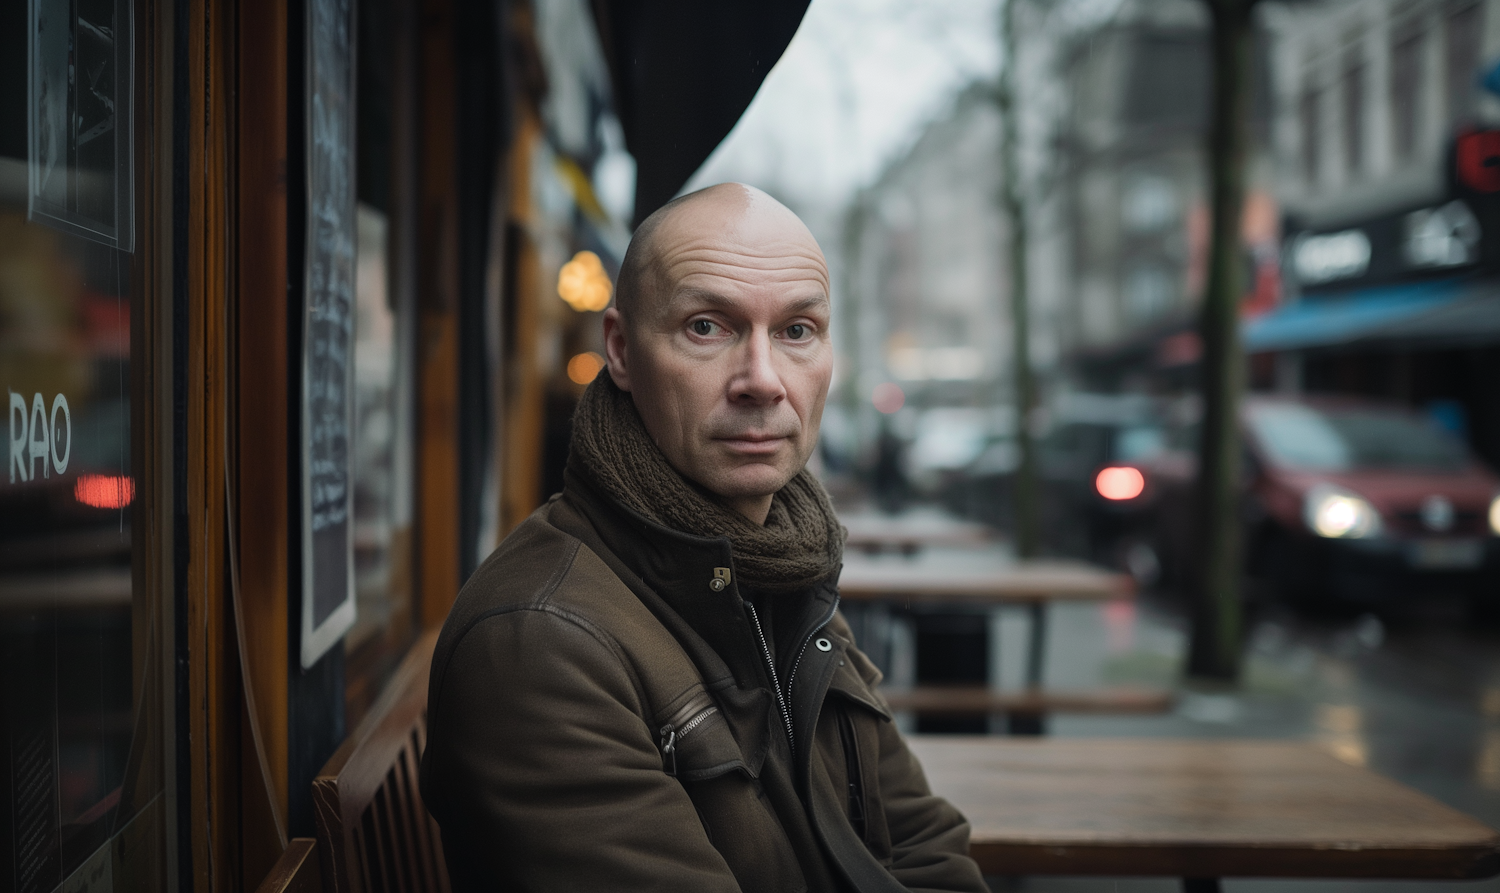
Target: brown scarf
<point>800,544</point>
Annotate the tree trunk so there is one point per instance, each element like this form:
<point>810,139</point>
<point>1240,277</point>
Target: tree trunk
<point>1027,526</point>
<point>1217,632</point>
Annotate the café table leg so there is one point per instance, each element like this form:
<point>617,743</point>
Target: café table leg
<point>1036,652</point>
<point>1200,885</point>
<point>1036,661</point>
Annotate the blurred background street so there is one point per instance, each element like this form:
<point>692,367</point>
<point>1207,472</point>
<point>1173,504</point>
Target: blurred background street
<point>1367,309</point>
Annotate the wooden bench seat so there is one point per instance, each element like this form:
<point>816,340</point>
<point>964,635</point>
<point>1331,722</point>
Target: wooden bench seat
<point>297,871</point>
<point>373,829</point>
<point>981,701</point>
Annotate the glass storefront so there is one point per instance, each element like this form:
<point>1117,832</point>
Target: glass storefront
<point>83,717</point>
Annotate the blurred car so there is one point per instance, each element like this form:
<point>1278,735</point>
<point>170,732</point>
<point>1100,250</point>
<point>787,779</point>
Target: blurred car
<point>1345,501</point>
<point>1075,519</point>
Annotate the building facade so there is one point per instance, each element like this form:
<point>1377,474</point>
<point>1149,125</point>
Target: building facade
<point>1384,147</point>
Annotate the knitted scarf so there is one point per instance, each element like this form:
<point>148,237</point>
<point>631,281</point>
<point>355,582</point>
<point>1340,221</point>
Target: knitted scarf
<point>800,544</point>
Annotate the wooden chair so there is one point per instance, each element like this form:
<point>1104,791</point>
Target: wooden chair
<point>297,871</point>
<point>373,829</point>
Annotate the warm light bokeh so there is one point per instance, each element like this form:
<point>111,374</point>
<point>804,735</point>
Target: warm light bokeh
<point>584,284</point>
<point>584,367</point>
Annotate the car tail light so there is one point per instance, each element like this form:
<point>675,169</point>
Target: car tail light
<point>1119,483</point>
<point>1495,516</point>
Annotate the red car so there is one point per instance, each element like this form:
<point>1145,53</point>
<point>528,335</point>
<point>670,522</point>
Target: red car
<point>1345,500</point>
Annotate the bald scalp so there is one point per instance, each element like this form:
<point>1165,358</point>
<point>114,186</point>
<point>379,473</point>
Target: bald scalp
<point>641,283</point>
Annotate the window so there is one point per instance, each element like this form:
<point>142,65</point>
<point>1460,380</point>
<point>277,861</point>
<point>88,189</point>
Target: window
<point>385,619</point>
<point>1354,108</point>
<point>1406,90</point>
<point>1464,23</point>
<point>83,719</point>
<point>1311,120</point>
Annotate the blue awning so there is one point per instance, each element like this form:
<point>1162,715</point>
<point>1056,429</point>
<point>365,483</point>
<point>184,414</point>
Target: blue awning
<point>1363,315</point>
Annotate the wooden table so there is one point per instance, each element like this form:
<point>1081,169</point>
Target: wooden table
<point>961,581</point>
<point>1196,809</point>
<point>908,534</point>
<point>983,580</point>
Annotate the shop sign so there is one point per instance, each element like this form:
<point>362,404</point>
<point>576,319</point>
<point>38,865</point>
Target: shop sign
<point>41,443</point>
<point>1329,257</point>
<point>1409,243</point>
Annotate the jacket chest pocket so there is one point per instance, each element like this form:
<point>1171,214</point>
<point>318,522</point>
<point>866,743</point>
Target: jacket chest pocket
<point>700,750</point>
<point>850,746</point>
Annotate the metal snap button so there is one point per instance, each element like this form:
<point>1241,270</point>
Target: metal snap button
<point>824,645</point>
<point>716,584</point>
<point>721,579</point>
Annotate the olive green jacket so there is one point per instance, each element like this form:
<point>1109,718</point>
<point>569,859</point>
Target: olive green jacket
<point>603,716</point>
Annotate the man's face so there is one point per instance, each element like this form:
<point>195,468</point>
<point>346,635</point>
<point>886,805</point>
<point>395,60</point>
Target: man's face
<point>727,353</point>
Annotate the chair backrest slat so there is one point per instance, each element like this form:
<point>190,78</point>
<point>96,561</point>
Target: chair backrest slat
<point>374,828</point>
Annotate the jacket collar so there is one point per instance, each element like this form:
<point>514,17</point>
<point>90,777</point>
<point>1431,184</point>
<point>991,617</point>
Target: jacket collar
<point>676,571</point>
<point>674,574</point>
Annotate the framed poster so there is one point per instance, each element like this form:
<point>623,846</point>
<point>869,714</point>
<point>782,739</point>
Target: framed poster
<point>328,331</point>
<point>80,164</point>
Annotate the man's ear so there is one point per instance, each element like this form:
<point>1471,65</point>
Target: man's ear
<point>614,348</point>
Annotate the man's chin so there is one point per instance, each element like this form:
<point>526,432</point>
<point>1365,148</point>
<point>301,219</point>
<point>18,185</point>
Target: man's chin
<point>749,481</point>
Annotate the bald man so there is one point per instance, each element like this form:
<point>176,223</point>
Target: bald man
<point>648,686</point>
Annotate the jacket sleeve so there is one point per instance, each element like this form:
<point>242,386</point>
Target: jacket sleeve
<point>542,774</point>
<point>929,837</point>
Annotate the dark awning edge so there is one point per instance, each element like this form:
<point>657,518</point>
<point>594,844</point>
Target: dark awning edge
<point>684,71</point>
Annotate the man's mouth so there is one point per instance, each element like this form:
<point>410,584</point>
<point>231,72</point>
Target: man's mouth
<point>751,444</point>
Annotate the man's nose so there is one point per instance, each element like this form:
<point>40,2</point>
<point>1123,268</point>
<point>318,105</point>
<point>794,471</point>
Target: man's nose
<point>756,381</point>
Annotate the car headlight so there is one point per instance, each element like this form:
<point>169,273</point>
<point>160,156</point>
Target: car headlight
<point>1495,516</point>
<point>1337,513</point>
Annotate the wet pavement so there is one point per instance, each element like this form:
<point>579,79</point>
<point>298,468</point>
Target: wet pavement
<point>1413,695</point>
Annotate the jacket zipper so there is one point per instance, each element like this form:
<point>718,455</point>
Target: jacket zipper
<point>783,699</point>
<point>695,712</point>
<point>765,650</point>
<point>822,623</point>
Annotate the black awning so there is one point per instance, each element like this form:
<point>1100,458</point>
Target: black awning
<point>683,73</point>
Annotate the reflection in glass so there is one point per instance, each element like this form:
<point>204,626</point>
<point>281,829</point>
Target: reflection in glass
<point>80,167</point>
<point>82,721</point>
<point>383,615</point>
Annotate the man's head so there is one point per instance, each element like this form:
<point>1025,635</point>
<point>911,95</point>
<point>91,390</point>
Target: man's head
<point>721,335</point>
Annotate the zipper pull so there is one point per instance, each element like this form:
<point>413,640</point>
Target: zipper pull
<point>669,750</point>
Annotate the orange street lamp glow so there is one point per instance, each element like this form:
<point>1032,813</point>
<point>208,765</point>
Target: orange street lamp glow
<point>583,283</point>
<point>584,367</point>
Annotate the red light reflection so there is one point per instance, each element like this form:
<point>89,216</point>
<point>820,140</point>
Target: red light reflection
<point>104,491</point>
<point>1120,483</point>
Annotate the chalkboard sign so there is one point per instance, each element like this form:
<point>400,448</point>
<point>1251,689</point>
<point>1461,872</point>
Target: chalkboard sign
<point>328,332</point>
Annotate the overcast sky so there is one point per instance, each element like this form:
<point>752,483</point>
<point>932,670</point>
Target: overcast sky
<point>854,90</point>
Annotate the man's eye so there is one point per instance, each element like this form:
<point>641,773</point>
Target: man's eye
<point>702,327</point>
<point>797,331</point>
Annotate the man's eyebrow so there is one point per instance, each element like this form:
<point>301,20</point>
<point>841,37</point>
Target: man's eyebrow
<point>714,298</point>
